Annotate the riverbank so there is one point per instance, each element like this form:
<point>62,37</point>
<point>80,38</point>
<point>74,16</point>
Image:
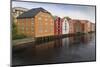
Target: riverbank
<point>48,38</point>
<point>22,41</point>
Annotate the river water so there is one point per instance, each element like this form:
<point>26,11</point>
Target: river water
<point>70,49</point>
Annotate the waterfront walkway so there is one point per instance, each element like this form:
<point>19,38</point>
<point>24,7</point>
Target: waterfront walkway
<point>22,41</point>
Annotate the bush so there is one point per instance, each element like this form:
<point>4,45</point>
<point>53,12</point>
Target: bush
<point>16,36</point>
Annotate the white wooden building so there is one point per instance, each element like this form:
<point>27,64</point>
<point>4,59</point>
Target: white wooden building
<point>65,26</point>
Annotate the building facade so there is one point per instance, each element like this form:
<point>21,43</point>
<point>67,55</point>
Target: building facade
<point>84,25</point>
<point>65,26</point>
<point>57,26</point>
<point>88,26</point>
<point>92,27</point>
<point>16,11</point>
<point>36,22</point>
<point>77,26</point>
<point>71,27</point>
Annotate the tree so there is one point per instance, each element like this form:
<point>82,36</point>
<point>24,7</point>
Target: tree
<point>54,17</point>
<point>14,30</point>
<point>68,18</point>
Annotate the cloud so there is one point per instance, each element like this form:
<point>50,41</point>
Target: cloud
<point>73,11</point>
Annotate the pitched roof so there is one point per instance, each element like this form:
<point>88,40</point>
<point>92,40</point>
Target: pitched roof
<point>32,13</point>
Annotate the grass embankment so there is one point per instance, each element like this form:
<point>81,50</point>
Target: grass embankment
<point>18,36</point>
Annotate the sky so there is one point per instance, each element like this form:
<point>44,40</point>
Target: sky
<point>62,10</point>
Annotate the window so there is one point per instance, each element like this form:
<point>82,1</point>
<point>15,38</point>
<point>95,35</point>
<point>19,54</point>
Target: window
<point>39,22</point>
<point>40,28</point>
<point>26,28</point>
<point>46,30</point>
<point>51,29</point>
<point>17,11</point>
<point>51,20</point>
<point>42,15</point>
<point>32,28</point>
<point>39,18</point>
<point>45,23</point>
<point>32,23</point>
<point>22,28</point>
<point>51,23</point>
<point>21,12</point>
<point>65,26</point>
<point>22,24</point>
<point>32,20</point>
<point>46,19</point>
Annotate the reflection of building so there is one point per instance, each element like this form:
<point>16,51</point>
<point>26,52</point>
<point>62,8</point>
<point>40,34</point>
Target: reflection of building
<point>16,11</point>
<point>65,26</point>
<point>36,22</point>
<point>71,40</point>
<point>58,43</point>
<point>57,26</point>
<point>75,40</point>
<point>87,38</point>
<point>45,45</point>
<point>65,42</point>
<point>52,44</point>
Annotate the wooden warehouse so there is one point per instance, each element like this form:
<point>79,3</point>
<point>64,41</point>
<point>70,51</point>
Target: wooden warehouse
<point>77,26</point>
<point>65,26</point>
<point>87,26</point>
<point>71,27</point>
<point>57,26</point>
<point>80,26</point>
<point>36,22</point>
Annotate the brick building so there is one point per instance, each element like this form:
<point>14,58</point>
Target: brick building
<point>36,22</point>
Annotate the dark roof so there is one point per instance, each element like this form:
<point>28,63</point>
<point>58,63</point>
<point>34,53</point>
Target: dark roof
<point>32,12</point>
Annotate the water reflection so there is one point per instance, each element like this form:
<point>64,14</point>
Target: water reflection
<point>70,49</point>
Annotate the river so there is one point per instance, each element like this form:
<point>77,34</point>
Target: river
<point>65,50</point>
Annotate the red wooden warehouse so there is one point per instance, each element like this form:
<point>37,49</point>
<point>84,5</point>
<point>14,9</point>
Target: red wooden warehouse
<point>57,26</point>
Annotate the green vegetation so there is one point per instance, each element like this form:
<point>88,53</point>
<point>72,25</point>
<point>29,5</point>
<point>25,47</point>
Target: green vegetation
<point>54,17</point>
<point>68,18</point>
<point>15,35</point>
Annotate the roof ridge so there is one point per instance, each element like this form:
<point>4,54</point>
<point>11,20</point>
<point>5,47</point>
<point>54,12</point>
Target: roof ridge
<point>32,12</point>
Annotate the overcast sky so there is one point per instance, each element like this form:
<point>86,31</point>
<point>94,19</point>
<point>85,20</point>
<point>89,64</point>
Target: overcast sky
<point>61,10</point>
